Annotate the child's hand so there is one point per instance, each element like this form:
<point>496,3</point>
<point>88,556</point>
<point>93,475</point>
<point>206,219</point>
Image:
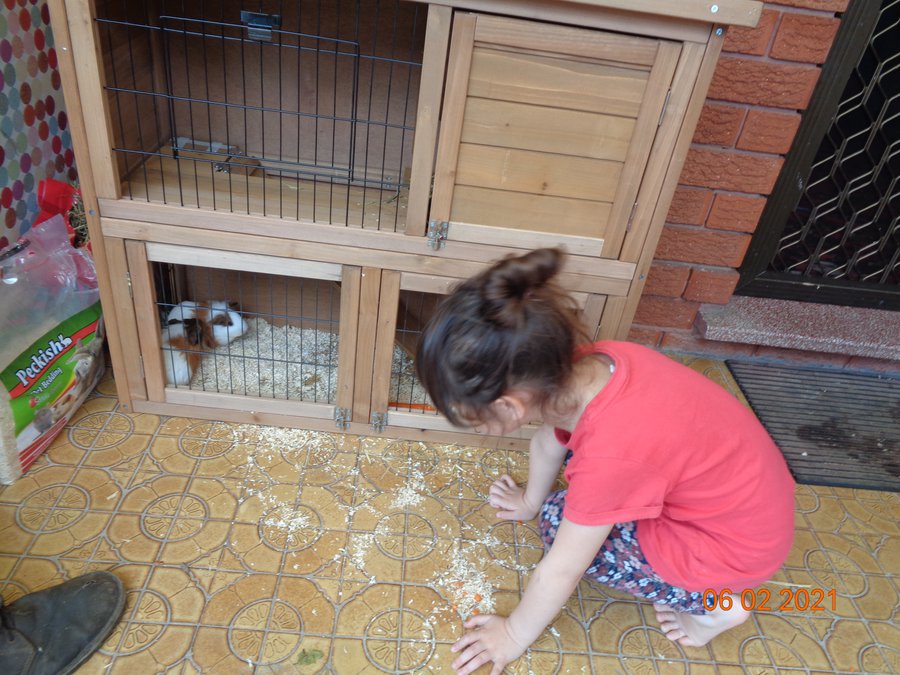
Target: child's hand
<point>490,641</point>
<point>509,500</point>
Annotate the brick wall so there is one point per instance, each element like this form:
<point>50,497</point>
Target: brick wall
<point>761,86</point>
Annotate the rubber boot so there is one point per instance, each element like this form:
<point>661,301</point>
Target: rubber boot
<point>52,632</point>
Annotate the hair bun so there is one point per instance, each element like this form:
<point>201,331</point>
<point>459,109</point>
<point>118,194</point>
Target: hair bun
<point>509,283</point>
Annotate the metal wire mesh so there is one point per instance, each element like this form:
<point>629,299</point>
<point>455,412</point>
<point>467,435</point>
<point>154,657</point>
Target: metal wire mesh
<point>407,394</point>
<point>302,110</point>
<point>278,340</point>
<point>846,225</point>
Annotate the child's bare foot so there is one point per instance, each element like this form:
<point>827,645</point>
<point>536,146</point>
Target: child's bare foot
<point>695,630</point>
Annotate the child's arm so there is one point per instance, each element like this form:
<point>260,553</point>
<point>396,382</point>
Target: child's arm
<point>545,456</point>
<point>501,639</point>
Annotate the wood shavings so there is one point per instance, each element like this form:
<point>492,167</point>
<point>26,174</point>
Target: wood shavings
<point>466,585</point>
<point>282,362</point>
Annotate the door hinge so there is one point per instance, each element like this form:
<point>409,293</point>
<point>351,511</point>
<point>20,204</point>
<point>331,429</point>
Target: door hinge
<point>259,26</point>
<point>128,281</point>
<point>379,422</point>
<point>662,113</point>
<point>437,233</point>
<point>631,217</point>
<point>342,418</point>
<point>141,364</point>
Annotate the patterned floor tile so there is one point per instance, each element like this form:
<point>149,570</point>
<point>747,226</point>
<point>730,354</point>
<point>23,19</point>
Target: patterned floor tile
<point>261,550</point>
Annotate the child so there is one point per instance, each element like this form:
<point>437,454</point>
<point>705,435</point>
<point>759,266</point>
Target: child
<point>673,486</point>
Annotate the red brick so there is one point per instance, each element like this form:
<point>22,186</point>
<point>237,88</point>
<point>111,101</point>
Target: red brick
<point>755,41</point>
<point>777,85</point>
<point>824,5</point>
<point>645,336</point>
<point>665,312</point>
<point>804,37</point>
<point>713,286</point>
<point>689,206</point>
<point>766,131</point>
<point>732,171</point>
<point>703,247</point>
<point>667,280</point>
<point>719,124</point>
<point>738,213</point>
<point>689,342</point>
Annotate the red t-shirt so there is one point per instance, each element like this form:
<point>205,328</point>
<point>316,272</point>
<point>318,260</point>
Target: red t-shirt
<point>665,446</point>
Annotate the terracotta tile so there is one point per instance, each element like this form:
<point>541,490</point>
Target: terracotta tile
<point>613,621</point>
<point>884,655</point>
<point>231,600</point>
<point>15,539</point>
<point>157,491</point>
<point>844,644</point>
<point>129,541</point>
<point>151,647</point>
<point>788,646</point>
<point>66,530</point>
<point>212,653</point>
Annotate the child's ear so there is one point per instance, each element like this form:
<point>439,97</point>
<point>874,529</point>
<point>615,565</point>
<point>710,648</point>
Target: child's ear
<point>510,408</point>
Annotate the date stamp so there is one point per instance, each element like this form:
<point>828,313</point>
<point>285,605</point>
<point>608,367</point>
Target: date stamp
<point>762,600</point>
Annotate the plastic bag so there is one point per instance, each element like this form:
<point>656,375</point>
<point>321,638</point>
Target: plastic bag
<point>51,336</point>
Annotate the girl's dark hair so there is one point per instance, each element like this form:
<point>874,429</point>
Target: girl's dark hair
<point>509,326</point>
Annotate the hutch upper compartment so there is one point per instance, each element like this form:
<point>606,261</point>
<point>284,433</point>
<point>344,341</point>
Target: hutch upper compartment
<point>301,110</point>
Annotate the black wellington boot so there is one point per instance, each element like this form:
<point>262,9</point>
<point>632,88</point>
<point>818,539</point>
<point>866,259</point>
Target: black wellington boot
<point>52,632</point>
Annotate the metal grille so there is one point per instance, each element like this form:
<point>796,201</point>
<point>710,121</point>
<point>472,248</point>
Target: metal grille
<point>846,225</point>
<point>247,333</point>
<point>831,229</point>
<point>302,110</point>
<point>406,393</point>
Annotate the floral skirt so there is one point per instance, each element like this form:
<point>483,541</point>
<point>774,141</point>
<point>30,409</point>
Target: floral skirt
<point>620,563</point>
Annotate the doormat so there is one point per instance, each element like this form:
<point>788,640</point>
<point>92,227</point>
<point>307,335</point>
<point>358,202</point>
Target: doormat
<point>834,428</point>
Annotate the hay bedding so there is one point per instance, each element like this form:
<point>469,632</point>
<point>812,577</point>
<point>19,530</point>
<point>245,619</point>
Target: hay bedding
<point>287,362</point>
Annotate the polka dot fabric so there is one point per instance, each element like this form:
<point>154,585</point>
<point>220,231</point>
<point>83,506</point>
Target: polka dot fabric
<point>36,143</point>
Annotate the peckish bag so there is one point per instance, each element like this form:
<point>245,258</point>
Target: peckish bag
<point>51,336</point>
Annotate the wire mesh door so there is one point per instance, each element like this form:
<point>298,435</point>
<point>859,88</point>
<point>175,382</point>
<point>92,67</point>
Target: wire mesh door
<point>302,110</point>
<point>840,207</point>
<point>245,332</point>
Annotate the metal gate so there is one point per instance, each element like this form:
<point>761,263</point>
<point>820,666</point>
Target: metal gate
<point>831,229</point>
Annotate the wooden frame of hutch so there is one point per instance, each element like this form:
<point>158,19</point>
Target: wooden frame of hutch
<point>536,123</point>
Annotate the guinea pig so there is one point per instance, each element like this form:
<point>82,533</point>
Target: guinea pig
<point>193,328</point>
<point>183,343</point>
<point>226,321</point>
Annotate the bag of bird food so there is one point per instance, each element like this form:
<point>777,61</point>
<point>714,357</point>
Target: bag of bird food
<point>51,337</point>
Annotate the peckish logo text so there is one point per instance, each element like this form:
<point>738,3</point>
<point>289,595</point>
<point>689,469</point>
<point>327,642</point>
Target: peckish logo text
<point>42,358</point>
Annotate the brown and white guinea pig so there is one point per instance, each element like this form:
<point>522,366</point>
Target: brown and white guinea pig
<point>194,328</point>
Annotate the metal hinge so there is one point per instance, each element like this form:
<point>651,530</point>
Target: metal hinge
<point>141,363</point>
<point>379,421</point>
<point>662,113</point>
<point>437,233</point>
<point>259,26</point>
<point>631,217</point>
<point>128,281</point>
<point>342,418</point>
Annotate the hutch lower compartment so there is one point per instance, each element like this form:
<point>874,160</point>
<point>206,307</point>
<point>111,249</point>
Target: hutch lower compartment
<point>282,191</point>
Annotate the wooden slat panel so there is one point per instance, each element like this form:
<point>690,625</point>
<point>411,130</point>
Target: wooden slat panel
<point>88,57</point>
<point>384,339</point>
<point>563,40</point>
<point>251,404</point>
<point>639,152</point>
<point>365,345</point>
<point>537,173</point>
<point>437,38</point>
<point>546,129</point>
<point>492,236</point>
<point>349,328</point>
<point>542,80</point>
<point>421,283</point>
<point>541,213</point>
<point>580,273</point>
<point>122,323</point>
<point>452,114</point>
<point>147,324</point>
<point>245,262</point>
<point>395,244</point>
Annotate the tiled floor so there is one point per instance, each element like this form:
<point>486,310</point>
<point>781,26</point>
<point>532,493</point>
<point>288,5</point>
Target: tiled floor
<point>281,551</point>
